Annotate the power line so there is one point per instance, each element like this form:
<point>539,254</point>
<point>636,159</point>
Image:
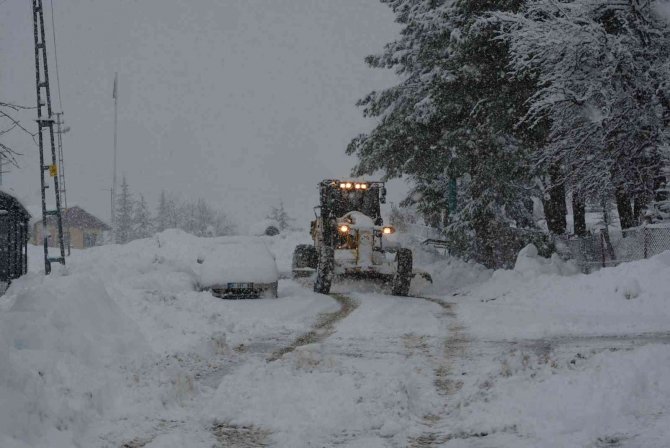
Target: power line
<point>53,30</point>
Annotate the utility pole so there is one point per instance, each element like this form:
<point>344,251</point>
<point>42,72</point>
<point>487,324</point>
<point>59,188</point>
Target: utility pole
<point>115,95</point>
<point>45,122</point>
<point>61,173</point>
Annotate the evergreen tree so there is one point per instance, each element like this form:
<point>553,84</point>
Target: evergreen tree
<point>163,213</point>
<point>279,215</point>
<point>222,226</point>
<point>142,226</point>
<point>175,217</point>
<point>187,218</point>
<point>455,116</point>
<point>197,218</point>
<point>600,68</point>
<point>124,214</point>
<point>204,218</point>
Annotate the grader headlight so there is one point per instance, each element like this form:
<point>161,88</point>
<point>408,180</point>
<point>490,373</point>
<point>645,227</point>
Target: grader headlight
<point>343,228</point>
<point>388,230</point>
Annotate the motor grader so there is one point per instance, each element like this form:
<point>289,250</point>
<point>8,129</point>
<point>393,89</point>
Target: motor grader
<point>349,239</point>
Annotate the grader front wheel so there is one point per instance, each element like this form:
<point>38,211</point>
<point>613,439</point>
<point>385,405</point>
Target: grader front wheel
<point>403,276</point>
<point>324,270</point>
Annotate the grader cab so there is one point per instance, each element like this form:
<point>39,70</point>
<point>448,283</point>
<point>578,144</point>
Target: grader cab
<point>348,239</point>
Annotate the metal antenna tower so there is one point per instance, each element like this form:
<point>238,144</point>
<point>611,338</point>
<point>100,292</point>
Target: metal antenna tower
<point>45,122</point>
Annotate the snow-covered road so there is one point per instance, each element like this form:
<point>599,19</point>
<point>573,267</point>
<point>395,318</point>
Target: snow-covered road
<point>371,377</point>
<point>370,383</point>
<point>122,350</point>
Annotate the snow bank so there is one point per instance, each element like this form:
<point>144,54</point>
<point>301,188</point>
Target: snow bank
<point>62,341</point>
<point>530,263</point>
<point>548,297</point>
<point>449,274</point>
<point>156,280</point>
<point>102,350</point>
<point>611,399</point>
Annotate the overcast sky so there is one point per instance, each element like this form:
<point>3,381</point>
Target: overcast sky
<point>241,102</point>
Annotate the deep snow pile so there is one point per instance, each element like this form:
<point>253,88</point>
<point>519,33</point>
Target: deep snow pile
<point>548,297</point>
<point>119,335</point>
<point>555,358</point>
<point>583,395</point>
<point>61,341</point>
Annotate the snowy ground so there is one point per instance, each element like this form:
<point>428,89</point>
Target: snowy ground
<point>121,350</point>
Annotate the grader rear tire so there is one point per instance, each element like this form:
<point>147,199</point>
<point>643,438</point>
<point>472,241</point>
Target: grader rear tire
<point>324,270</point>
<point>403,276</point>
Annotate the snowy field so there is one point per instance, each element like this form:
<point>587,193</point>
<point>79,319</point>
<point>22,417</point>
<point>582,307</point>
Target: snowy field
<point>120,349</point>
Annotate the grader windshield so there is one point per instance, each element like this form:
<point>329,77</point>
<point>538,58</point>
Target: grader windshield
<point>341,197</point>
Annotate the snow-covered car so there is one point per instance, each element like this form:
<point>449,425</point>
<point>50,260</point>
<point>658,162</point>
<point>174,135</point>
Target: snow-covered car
<point>239,268</point>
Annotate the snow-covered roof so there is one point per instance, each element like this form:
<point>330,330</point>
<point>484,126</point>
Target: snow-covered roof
<point>74,216</point>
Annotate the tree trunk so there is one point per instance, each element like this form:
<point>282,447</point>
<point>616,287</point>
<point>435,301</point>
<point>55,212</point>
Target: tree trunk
<point>555,209</point>
<point>640,206</point>
<point>626,216</point>
<point>578,215</point>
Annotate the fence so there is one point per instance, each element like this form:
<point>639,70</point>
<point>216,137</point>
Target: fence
<point>604,249</point>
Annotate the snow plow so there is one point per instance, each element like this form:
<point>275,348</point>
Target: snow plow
<point>348,236</point>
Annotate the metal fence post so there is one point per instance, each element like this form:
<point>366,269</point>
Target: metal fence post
<point>646,242</point>
<point>602,248</point>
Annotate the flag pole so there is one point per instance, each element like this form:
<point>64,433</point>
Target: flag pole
<point>115,95</point>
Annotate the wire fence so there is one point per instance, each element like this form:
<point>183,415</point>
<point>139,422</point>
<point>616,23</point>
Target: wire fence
<point>603,249</point>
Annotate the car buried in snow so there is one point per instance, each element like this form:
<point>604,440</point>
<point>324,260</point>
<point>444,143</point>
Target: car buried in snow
<point>239,268</point>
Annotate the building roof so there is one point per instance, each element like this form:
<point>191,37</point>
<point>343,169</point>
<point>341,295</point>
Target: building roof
<point>79,218</point>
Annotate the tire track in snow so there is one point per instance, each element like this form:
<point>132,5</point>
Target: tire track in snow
<point>454,346</point>
<point>322,329</point>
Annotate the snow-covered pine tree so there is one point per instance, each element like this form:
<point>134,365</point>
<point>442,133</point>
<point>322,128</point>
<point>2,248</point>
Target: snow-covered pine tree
<point>124,214</point>
<point>599,69</point>
<point>162,213</point>
<point>204,218</point>
<point>175,217</point>
<point>222,225</point>
<point>142,226</point>
<point>187,218</point>
<point>280,216</point>
<point>455,115</point>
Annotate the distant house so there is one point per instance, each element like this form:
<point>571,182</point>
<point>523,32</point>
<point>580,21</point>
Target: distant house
<point>84,229</point>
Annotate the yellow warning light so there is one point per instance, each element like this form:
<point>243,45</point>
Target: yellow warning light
<point>53,170</point>
<point>388,230</point>
<point>344,229</point>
